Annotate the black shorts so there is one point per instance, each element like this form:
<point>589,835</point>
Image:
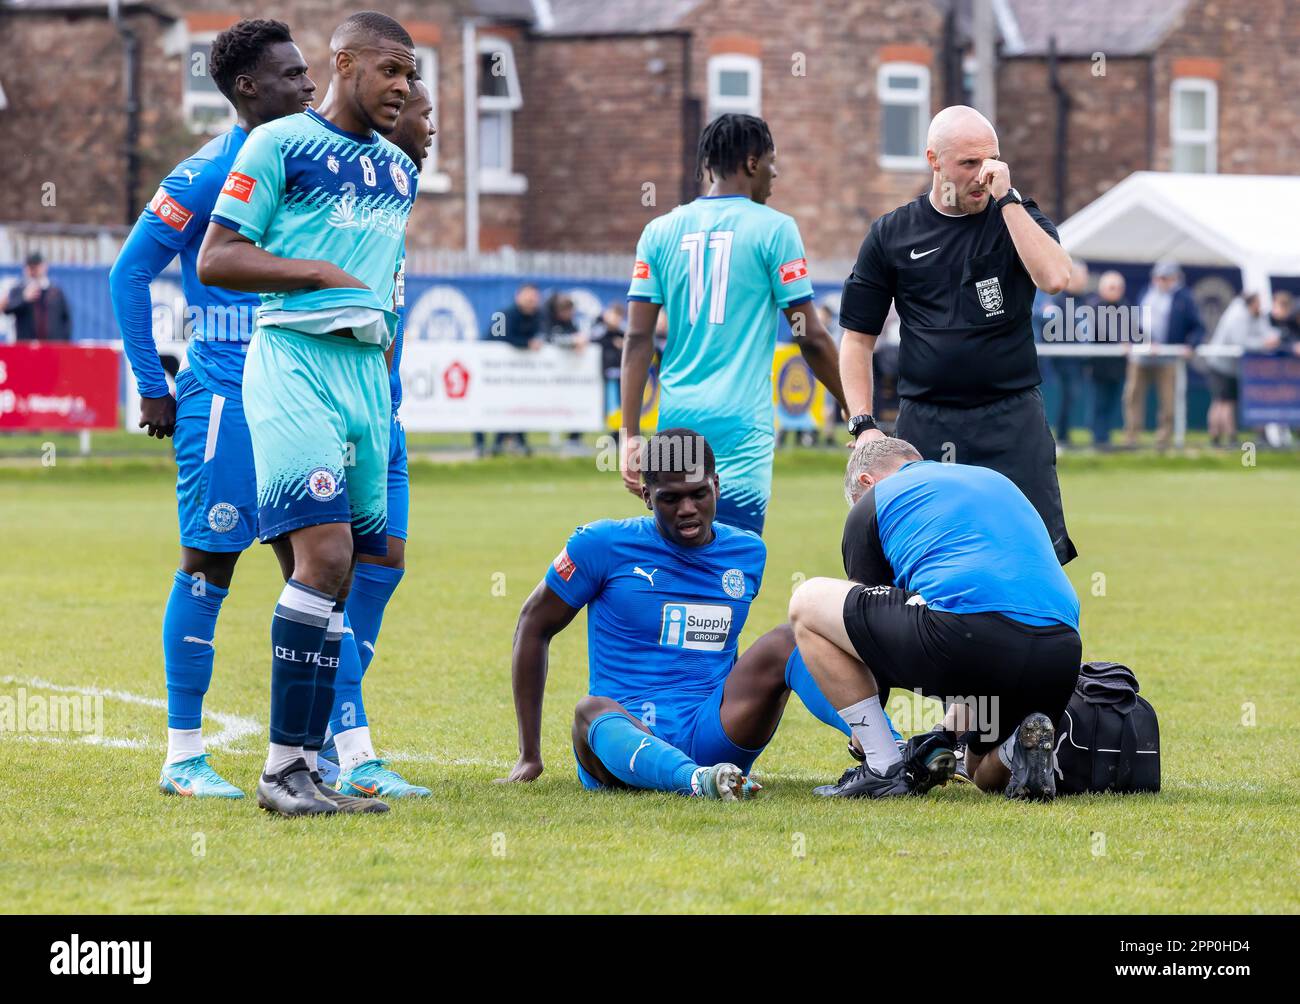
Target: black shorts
<point>1223,386</point>
<point>1006,668</point>
<point>1010,436</point>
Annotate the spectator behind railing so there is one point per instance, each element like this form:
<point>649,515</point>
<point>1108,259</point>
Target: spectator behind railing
<point>1169,317</point>
<point>608,333</point>
<point>1105,374</point>
<point>1069,369</point>
<point>1286,322</point>
<point>519,325</point>
<point>1244,326</point>
<point>561,330</point>
<point>39,308</point>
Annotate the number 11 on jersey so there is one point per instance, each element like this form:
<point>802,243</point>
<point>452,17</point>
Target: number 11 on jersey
<point>719,241</point>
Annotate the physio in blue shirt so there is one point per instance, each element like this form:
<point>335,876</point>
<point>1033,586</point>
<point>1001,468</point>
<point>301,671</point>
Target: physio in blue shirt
<point>257,66</point>
<point>670,706</point>
<point>953,591</point>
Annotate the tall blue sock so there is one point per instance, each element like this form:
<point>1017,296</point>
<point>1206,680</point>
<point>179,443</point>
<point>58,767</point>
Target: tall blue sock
<point>349,711</point>
<point>798,679</point>
<point>297,637</point>
<point>638,758</point>
<point>372,587</point>
<point>189,629</point>
<point>327,667</point>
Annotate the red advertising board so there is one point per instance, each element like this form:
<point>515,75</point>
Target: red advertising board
<point>54,387</point>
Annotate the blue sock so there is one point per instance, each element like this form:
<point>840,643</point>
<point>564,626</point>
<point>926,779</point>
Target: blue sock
<point>189,628</point>
<point>372,587</point>
<point>638,758</point>
<point>297,637</point>
<point>327,667</point>
<point>349,710</point>
<point>798,679</point>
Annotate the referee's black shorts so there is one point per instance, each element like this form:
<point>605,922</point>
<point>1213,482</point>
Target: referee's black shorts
<point>1009,435</point>
<point>1006,668</point>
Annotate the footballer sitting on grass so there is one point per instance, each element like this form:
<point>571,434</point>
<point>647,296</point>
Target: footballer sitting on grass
<point>956,593</point>
<point>670,706</point>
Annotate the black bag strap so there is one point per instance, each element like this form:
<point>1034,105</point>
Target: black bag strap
<point>1096,765</point>
<point>1128,744</point>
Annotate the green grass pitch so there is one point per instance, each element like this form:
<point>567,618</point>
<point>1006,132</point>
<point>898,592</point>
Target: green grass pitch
<point>1188,573</point>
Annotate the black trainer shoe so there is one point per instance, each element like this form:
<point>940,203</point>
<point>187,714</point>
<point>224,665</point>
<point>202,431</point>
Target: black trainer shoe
<point>347,803</point>
<point>292,793</point>
<point>1032,776</point>
<point>930,760</point>
<point>862,782</point>
<point>961,774</point>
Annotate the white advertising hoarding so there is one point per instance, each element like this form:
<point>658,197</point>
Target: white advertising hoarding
<point>482,386</point>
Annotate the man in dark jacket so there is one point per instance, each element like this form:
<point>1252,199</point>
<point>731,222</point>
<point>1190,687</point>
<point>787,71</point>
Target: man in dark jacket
<point>1169,317</point>
<point>519,325</point>
<point>1111,311</point>
<point>39,308</point>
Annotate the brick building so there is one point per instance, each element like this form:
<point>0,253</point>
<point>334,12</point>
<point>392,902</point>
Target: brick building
<point>586,112</point>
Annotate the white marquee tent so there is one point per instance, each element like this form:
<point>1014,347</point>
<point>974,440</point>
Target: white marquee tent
<point>1248,221</point>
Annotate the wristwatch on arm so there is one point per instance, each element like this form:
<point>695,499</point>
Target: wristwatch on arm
<point>859,424</point>
<point>1011,196</point>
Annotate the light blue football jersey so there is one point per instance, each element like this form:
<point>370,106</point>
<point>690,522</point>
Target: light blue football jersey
<point>723,267</point>
<point>301,187</point>
<point>663,621</point>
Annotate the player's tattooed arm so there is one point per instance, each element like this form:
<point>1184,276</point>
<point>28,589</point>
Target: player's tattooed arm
<point>638,351</point>
<point>232,261</point>
<point>816,347</point>
<point>544,615</point>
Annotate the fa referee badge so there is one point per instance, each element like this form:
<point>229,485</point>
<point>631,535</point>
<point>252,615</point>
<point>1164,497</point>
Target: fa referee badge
<point>990,294</point>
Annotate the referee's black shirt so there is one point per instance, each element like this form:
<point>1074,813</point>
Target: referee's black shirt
<point>963,299</point>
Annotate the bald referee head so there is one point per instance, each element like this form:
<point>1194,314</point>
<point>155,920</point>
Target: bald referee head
<point>960,265</point>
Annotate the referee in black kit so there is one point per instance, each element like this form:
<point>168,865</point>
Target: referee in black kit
<point>961,263</point>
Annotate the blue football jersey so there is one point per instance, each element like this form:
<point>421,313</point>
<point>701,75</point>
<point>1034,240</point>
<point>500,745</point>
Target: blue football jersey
<point>968,541</point>
<point>663,621</point>
<point>724,267</point>
<point>220,321</point>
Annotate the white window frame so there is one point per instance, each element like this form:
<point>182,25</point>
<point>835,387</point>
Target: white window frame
<point>192,101</point>
<point>1207,137</point>
<point>720,104</point>
<point>432,181</point>
<point>919,98</point>
<point>501,181</point>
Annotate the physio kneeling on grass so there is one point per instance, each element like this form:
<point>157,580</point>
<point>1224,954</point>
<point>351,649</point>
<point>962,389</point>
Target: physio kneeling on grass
<point>955,593</point>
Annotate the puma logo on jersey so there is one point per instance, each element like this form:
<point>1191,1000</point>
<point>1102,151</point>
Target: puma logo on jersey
<point>649,576</point>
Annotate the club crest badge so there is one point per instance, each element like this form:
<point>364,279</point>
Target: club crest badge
<point>332,163</point>
<point>733,583</point>
<point>322,485</point>
<point>990,294</point>
<point>223,517</point>
<point>399,178</point>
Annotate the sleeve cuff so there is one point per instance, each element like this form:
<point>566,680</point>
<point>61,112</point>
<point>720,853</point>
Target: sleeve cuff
<point>243,229</point>
<point>796,301</point>
<point>643,299</point>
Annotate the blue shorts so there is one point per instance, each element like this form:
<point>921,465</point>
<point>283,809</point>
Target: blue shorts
<point>696,730</point>
<point>399,482</point>
<point>216,486</point>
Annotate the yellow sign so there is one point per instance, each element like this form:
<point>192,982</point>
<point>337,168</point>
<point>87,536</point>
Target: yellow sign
<point>799,400</point>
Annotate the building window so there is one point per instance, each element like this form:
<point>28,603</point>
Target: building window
<point>1194,125</point>
<point>206,108</point>
<point>735,85</point>
<point>904,90</point>
<point>431,179</point>
<point>498,99</point>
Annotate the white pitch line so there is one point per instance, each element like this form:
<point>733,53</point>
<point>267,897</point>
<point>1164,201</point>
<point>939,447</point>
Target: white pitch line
<point>233,727</point>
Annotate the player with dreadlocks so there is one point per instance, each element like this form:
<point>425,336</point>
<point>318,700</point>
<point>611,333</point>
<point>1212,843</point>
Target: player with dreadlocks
<point>724,267</point>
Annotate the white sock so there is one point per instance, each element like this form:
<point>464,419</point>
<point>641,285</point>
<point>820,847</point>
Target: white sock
<point>183,744</point>
<point>354,747</point>
<point>310,757</point>
<point>279,757</point>
<point>867,720</point>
